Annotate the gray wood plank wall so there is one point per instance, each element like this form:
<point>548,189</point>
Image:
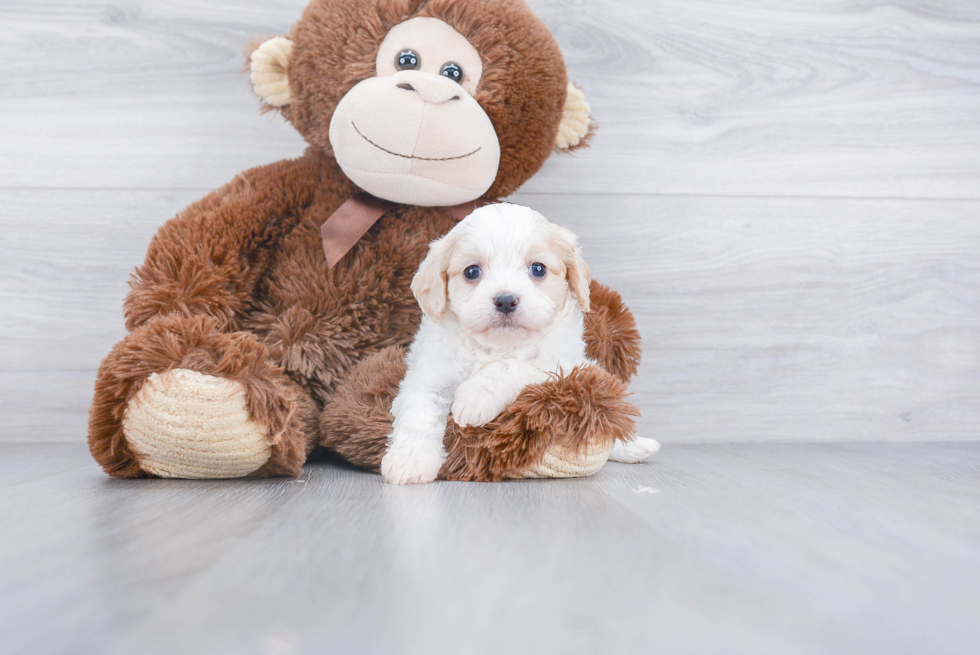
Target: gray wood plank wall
<point>788,195</point>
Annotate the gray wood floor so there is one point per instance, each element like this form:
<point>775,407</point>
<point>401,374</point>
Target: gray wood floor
<point>745,548</point>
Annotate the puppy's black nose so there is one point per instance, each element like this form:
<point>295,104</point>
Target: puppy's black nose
<point>505,302</point>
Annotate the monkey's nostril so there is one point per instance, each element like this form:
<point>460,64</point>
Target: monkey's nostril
<point>406,86</point>
<point>505,302</point>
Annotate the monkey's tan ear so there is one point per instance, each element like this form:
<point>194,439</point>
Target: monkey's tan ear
<point>269,64</point>
<point>576,121</point>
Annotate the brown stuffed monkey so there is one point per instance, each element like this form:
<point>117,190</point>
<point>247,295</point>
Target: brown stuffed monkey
<point>270,318</point>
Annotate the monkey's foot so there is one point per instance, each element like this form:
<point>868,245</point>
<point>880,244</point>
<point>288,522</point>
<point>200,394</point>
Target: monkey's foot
<point>185,424</point>
<point>562,462</point>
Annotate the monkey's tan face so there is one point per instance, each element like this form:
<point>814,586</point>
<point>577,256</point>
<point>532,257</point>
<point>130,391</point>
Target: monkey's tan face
<point>414,134</point>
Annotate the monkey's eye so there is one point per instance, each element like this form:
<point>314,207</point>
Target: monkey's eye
<point>537,270</point>
<point>408,60</point>
<point>472,272</point>
<point>453,71</point>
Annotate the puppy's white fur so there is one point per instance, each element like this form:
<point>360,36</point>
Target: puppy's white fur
<point>472,359</point>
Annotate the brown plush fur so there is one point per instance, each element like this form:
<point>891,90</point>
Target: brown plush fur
<point>209,259</point>
<point>611,336</point>
<point>357,423</point>
<point>196,343</point>
<point>237,285</point>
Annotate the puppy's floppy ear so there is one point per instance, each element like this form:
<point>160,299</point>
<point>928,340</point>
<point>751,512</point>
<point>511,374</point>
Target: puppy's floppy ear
<point>431,283</point>
<point>576,270</point>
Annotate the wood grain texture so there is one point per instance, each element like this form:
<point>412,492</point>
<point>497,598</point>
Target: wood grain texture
<point>68,258</point>
<point>817,548</point>
<point>45,406</point>
<point>763,319</point>
<point>846,98</point>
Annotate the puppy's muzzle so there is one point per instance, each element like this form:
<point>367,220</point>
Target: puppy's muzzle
<point>505,303</point>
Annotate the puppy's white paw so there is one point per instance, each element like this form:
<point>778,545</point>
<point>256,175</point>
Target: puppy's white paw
<point>411,465</point>
<point>634,451</point>
<point>476,404</point>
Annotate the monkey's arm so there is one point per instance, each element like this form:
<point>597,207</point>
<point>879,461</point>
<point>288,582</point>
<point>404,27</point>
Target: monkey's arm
<point>207,260</point>
<point>611,337</point>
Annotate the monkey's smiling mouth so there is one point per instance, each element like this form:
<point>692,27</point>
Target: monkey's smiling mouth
<point>396,154</point>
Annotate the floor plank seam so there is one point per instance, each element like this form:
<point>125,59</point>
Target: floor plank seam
<point>43,477</point>
<point>526,192</point>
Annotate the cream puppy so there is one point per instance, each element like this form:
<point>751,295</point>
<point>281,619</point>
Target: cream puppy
<point>503,296</point>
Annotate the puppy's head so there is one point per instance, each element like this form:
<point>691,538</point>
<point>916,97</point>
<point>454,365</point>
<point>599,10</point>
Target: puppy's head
<point>505,272</point>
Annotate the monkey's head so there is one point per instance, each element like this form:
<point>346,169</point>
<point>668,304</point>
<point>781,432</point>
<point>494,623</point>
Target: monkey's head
<point>425,102</point>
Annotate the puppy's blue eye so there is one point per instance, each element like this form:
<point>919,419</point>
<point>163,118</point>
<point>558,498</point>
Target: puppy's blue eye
<point>538,270</point>
<point>472,272</point>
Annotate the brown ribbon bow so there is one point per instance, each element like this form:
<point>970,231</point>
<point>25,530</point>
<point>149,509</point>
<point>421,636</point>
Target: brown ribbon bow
<point>354,218</point>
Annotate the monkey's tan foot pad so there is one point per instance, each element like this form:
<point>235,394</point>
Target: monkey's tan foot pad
<point>185,424</point>
<point>559,462</point>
